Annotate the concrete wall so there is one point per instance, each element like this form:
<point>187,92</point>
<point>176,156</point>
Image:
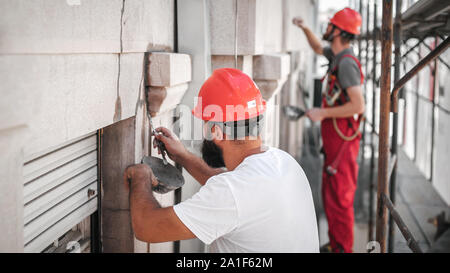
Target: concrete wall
<point>255,24</point>
<point>69,68</point>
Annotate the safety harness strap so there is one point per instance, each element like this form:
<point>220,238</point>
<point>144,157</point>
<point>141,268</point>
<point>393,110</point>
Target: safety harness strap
<point>335,68</point>
<point>343,98</point>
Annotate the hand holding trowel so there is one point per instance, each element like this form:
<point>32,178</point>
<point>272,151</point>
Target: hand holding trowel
<point>169,177</point>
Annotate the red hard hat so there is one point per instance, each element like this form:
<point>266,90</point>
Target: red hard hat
<point>348,20</point>
<point>229,95</point>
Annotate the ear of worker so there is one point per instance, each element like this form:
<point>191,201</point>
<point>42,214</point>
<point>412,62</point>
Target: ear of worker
<point>168,74</point>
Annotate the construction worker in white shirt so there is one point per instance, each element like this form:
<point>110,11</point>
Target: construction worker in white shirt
<point>253,198</point>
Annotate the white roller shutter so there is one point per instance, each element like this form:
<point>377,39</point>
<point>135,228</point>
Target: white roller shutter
<point>60,190</point>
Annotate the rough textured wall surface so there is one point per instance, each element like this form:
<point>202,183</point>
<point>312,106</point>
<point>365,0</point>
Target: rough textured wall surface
<point>69,68</point>
<point>82,59</point>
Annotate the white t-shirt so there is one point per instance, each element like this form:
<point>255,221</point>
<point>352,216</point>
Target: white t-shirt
<point>264,205</point>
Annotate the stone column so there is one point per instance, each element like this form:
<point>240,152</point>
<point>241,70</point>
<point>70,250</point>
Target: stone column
<point>291,132</point>
<point>125,142</point>
<point>244,63</point>
<point>168,77</point>
<point>270,72</point>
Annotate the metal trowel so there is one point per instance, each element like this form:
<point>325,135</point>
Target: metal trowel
<point>169,177</point>
<point>293,112</point>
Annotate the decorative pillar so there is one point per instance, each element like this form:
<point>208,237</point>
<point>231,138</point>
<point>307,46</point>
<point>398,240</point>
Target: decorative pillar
<point>270,72</point>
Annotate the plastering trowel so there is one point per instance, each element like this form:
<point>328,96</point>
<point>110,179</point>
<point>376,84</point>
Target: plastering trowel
<point>169,177</point>
<point>293,112</point>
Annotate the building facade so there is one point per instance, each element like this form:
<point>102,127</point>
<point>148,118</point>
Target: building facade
<point>76,79</point>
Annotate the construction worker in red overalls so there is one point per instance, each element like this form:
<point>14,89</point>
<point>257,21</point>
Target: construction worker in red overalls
<point>341,112</point>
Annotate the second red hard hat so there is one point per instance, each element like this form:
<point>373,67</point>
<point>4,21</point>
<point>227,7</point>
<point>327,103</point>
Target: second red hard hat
<point>348,20</point>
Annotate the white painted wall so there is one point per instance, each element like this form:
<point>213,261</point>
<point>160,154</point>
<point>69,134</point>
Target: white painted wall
<point>441,171</point>
<point>419,113</point>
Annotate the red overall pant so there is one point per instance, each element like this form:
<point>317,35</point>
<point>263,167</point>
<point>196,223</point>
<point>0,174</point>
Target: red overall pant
<point>338,190</point>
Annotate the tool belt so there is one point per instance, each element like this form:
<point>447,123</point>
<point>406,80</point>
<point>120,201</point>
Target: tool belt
<point>334,95</point>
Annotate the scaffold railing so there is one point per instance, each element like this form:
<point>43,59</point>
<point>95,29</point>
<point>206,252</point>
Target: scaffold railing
<point>391,33</point>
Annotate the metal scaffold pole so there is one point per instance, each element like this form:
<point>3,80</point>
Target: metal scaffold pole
<point>359,40</point>
<point>372,135</point>
<point>394,144</point>
<point>441,48</point>
<point>388,102</point>
<point>367,55</point>
<point>363,140</point>
<point>360,201</point>
<point>385,103</point>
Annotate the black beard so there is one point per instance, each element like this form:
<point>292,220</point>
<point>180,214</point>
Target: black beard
<point>212,154</point>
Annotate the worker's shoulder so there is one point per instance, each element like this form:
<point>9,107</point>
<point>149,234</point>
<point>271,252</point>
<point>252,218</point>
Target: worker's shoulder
<point>219,183</point>
<point>268,155</point>
<point>219,178</point>
<point>255,165</point>
<point>288,161</point>
<point>348,60</point>
<point>224,179</point>
<point>272,161</point>
<point>280,153</point>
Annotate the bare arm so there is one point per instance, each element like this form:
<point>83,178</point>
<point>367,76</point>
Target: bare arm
<point>196,166</point>
<point>355,105</point>
<point>313,40</point>
<point>150,222</point>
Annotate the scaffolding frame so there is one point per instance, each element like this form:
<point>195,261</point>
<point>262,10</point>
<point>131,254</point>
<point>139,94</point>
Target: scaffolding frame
<point>388,102</point>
